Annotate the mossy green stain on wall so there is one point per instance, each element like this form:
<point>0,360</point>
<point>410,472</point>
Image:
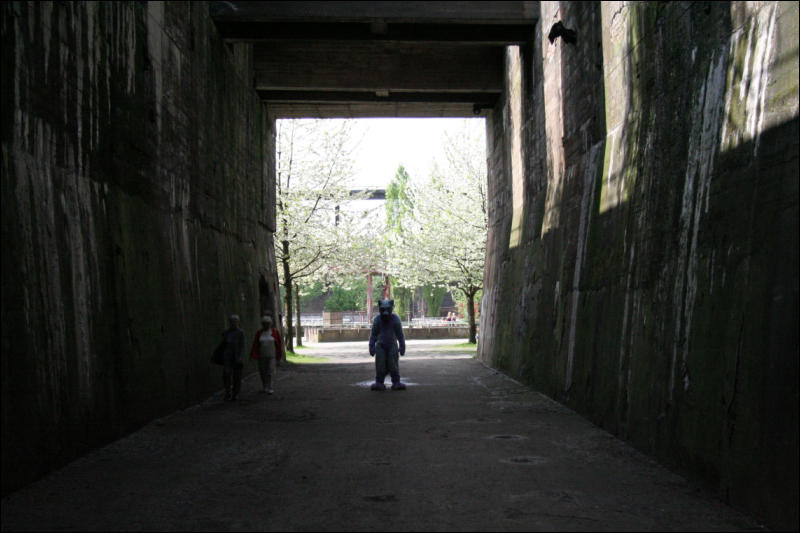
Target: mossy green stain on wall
<point>689,277</point>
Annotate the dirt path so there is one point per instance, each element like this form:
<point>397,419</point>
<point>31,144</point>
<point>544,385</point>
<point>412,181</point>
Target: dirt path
<point>464,448</point>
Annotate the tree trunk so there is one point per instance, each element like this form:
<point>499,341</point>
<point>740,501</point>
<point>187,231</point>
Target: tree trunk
<point>387,287</point>
<point>297,305</point>
<point>287,290</point>
<point>369,296</point>
<point>471,314</point>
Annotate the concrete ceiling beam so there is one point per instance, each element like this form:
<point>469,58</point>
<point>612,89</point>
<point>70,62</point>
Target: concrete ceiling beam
<point>369,67</point>
<point>375,109</point>
<point>482,99</point>
<point>406,12</point>
<point>498,34</point>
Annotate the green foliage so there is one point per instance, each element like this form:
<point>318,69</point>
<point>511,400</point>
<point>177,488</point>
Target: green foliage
<point>433,296</point>
<point>352,296</point>
<point>398,210</point>
<point>402,299</point>
<point>342,299</point>
<point>398,204</point>
<point>310,292</point>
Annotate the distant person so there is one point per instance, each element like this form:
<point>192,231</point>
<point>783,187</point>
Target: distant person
<point>232,358</point>
<point>268,349</point>
<point>387,331</point>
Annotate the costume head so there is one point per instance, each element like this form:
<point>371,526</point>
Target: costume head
<point>385,308</point>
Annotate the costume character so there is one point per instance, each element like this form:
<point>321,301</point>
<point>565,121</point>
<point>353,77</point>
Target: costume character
<point>387,332</point>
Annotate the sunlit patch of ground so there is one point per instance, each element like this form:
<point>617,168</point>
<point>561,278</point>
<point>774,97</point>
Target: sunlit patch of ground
<point>303,359</point>
<point>358,351</point>
<point>368,383</point>
<point>462,346</point>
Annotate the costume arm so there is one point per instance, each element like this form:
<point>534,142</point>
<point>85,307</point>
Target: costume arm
<point>373,336</point>
<point>398,332</point>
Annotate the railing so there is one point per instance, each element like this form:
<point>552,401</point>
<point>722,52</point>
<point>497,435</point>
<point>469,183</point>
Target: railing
<point>429,322</point>
<point>359,320</point>
<point>310,321</point>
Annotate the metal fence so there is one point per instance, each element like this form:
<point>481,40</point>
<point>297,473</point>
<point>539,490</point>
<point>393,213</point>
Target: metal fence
<point>360,320</point>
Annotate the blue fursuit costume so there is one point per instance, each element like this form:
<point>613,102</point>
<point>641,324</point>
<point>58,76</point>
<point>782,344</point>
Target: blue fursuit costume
<point>386,343</point>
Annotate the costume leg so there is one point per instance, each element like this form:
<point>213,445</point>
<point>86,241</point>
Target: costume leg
<point>380,369</point>
<point>380,364</point>
<point>394,370</point>
<point>393,364</point>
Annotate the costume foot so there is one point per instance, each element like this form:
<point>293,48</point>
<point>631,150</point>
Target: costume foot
<point>378,386</point>
<point>269,391</point>
<point>399,386</point>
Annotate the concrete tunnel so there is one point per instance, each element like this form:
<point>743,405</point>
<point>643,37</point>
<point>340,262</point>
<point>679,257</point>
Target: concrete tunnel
<point>642,263</point>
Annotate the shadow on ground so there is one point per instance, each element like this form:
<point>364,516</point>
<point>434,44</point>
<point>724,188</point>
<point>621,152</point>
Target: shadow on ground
<point>464,448</point>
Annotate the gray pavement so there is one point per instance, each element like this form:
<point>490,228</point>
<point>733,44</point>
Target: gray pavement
<point>463,449</point>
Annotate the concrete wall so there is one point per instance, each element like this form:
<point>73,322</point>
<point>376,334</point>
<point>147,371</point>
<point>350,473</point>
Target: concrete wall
<point>642,261</point>
<point>136,215</point>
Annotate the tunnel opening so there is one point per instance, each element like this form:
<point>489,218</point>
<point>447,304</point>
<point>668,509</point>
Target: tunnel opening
<point>371,209</point>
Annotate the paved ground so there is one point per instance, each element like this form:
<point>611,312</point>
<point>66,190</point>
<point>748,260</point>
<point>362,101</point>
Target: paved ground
<point>464,448</point>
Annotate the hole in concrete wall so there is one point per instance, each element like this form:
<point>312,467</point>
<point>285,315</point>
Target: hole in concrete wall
<point>559,30</point>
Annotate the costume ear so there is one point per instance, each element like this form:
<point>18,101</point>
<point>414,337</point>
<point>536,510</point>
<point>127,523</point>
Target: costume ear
<point>391,303</point>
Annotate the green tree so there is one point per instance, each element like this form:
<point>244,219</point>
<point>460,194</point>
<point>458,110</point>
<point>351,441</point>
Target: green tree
<point>398,209</point>
<point>398,205</point>
<point>444,242</point>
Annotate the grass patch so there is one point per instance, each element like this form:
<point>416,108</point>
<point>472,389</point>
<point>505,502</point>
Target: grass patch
<point>464,346</point>
<point>302,359</point>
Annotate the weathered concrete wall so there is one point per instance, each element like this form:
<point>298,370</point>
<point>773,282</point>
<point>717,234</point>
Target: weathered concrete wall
<point>642,259</point>
<point>135,217</point>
